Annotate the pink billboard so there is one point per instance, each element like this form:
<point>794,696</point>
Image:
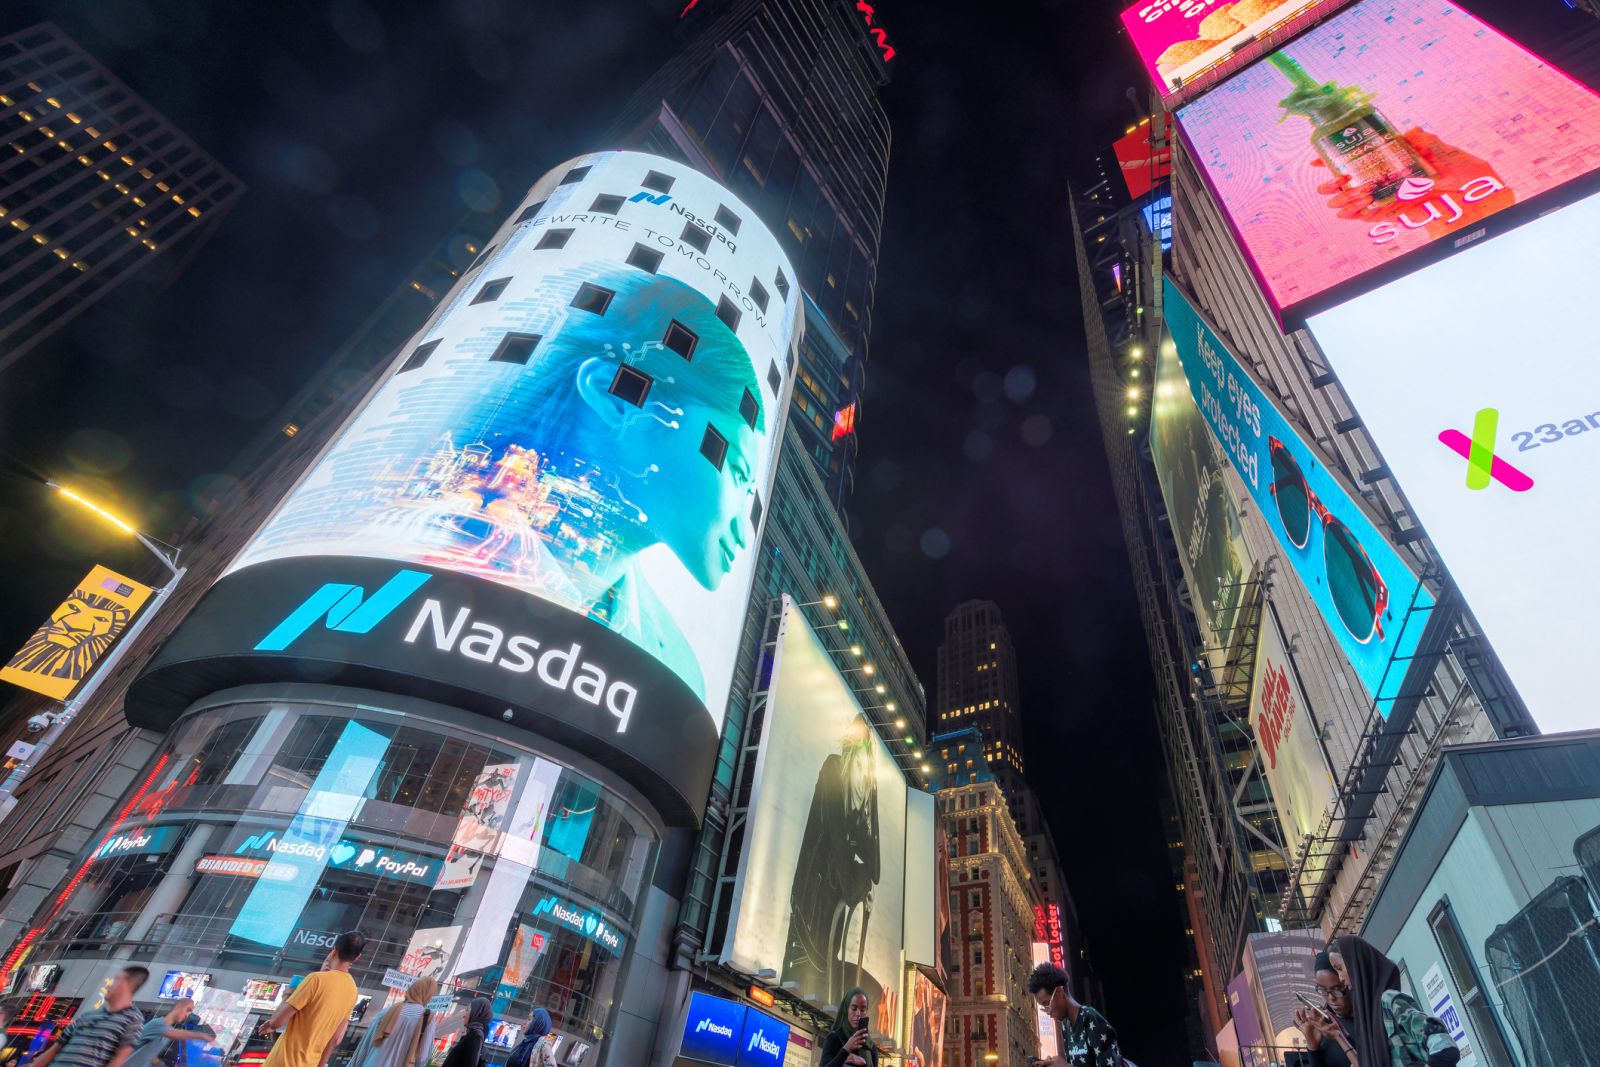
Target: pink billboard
<point>1184,42</point>
<point>1392,126</point>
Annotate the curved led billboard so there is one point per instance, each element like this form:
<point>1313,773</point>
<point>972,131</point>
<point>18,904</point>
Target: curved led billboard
<point>1394,127</point>
<point>552,502</point>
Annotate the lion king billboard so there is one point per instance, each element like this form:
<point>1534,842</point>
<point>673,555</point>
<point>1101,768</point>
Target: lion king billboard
<point>61,654</point>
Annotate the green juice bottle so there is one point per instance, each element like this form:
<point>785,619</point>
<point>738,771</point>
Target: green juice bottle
<point>1352,137</point>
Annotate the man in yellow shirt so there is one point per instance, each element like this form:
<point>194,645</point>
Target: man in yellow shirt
<point>314,1018</point>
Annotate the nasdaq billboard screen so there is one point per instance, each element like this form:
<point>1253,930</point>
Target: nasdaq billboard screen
<point>1394,132</point>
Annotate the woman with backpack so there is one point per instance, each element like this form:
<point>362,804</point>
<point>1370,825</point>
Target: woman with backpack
<point>1390,1028</point>
<point>403,1035</point>
<point>534,1049</point>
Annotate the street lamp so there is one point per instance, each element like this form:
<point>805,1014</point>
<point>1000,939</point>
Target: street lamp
<point>60,720</point>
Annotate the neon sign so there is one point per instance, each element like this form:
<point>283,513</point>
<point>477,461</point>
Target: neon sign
<point>869,13</point>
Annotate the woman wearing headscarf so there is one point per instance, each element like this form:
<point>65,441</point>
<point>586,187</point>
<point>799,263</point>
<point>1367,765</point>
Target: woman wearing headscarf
<point>403,1034</point>
<point>1390,1028</point>
<point>468,1052</point>
<point>534,1049</point>
<point>847,1044</point>
<point>1328,1035</point>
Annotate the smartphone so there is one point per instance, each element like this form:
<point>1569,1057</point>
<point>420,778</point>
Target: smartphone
<point>862,1025</point>
<point>1314,1006</point>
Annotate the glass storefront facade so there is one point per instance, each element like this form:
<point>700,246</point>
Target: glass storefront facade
<point>271,825</point>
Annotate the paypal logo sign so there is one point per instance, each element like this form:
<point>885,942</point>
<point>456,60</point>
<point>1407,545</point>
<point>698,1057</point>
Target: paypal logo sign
<point>579,921</point>
<point>345,608</point>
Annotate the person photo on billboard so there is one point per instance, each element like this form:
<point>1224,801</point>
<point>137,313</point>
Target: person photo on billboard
<point>839,865</point>
<point>1084,1036</point>
<point>848,1044</point>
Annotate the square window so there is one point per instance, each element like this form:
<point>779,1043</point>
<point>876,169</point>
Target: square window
<point>554,239</point>
<point>755,513</point>
<point>749,409</point>
<point>592,298</point>
<point>681,339</point>
<point>714,446</point>
<point>491,291</point>
<point>644,258</point>
<point>515,348</point>
<point>774,379</point>
<point>607,204</point>
<point>631,385</point>
<point>657,182</point>
<point>418,357</point>
<point>530,212</point>
<point>697,236</point>
<point>758,293</point>
<point>783,285</point>
<point>728,313</point>
<point>727,220</point>
<point>575,175</point>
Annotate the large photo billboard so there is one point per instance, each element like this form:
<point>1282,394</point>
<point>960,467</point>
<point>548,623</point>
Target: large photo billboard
<point>820,892</point>
<point>1286,737</point>
<point>1183,42</point>
<point>1394,125</point>
<point>1205,522</point>
<point>1370,598</point>
<point>1485,403</point>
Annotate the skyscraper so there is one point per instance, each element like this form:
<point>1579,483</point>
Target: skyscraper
<point>778,98</point>
<point>978,687</point>
<point>94,186</point>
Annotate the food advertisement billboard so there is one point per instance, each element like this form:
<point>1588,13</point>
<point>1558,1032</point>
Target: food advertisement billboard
<point>1364,590</point>
<point>1486,407</point>
<point>61,653</point>
<point>1181,41</point>
<point>821,885</point>
<point>1395,126</point>
<point>1205,521</point>
<point>1286,738</point>
<point>552,502</point>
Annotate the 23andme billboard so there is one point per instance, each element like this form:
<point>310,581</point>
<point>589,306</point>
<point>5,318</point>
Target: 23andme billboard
<point>1394,126</point>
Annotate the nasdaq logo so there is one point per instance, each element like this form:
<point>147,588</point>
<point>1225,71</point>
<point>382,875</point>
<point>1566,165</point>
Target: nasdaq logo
<point>645,198</point>
<point>343,608</point>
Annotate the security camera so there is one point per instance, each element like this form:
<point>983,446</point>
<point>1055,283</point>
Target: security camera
<point>506,715</point>
<point>38,722</point>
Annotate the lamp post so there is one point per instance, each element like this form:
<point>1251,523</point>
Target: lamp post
<point>60,720</point>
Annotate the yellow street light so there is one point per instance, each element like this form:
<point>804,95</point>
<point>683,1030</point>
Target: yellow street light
<point>1132,410</point>
<point>868,668</point>
<point>1133,392</point>
<point>96,508</point>
<point>855,650</point>
<point>830,601</point>
<point>899,724</point>
<point>890,707</point>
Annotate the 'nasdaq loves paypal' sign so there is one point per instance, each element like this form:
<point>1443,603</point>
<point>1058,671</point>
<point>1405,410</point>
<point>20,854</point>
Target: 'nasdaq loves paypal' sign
<point>712,1032</point>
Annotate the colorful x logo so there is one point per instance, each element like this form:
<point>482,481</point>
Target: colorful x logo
<point>1478,451</point>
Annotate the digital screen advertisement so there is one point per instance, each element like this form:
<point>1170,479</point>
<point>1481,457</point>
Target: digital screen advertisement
<point>1394,125</point>
<point>61,653</point>
<point>925,1031</point>
<point>1142,163</point>
<point>1286,738</point>
<point>1205,521</point>
<point>1360,584</point>
<point>821,886</point>
<point>1180,40</point>
<point>1488,414</point>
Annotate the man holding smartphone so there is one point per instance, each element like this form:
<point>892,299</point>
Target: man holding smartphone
<point>1085,1037</point>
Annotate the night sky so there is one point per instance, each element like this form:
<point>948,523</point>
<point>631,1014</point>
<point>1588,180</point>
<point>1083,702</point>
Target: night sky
<point>364,132</point>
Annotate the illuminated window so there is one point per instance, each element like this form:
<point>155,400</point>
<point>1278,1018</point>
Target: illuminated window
<point>530,213</point>
<point>607,204</point>
<point>749,408</point>
<point>575,175</point>
<point>783,285</point>
<point>646,259</point>
<point>554,239</point>
<point>515,348</point>
<point>758,293</point>
<point>592,298</point>
<point>696,236</point>
<point>727,219</point>
<point>714,446</point>
<point>491,291</point>
<point>680,339</point>
<point>631,385</point>
<point>657,182</point>
<point>729,314</point>
<point>419,356</point>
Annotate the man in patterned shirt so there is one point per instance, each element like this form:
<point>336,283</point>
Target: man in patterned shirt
<point>1085,1038</point>
<point>103,1036</point>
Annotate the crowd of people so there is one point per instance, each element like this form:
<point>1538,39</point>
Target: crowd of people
<point>307,1027</point>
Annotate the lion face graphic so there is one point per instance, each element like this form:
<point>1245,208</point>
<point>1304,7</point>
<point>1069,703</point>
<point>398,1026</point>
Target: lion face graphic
<point>78,633</point>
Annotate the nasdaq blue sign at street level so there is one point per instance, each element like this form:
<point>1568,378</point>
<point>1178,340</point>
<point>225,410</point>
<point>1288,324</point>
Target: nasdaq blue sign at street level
<point>713,1031</point>
<point>1372,600</point>
<point>764,1042</point>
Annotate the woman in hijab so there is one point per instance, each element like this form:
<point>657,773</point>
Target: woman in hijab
<point>534,1049</point>
<point>1390,1028</point>
<point>403,1035</point>
<point>847,1044</point>
<point>468,1052</point>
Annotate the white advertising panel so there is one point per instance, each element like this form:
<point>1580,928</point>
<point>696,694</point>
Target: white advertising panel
<point>1478,381</point>
<point>921,918</point>
<point>821,887</point>
<point>1286,737</point>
